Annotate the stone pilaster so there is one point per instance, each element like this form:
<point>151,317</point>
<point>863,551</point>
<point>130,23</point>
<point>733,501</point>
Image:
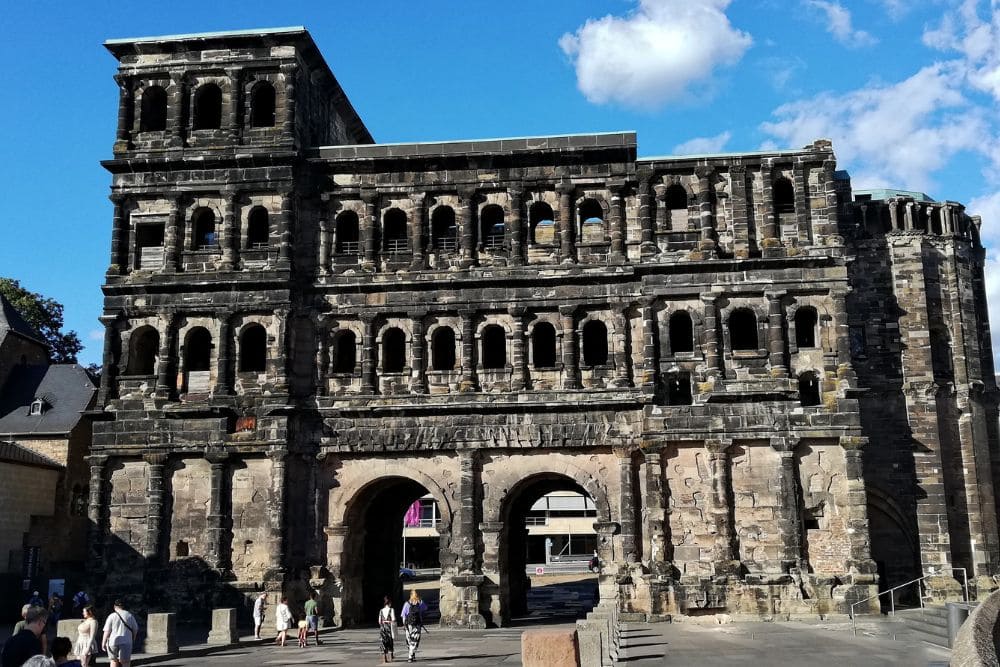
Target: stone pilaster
<point>232,110</point>
<point>154,507</point>
<point>281,351</point>
<point>571,368</point>
<point>109,368</point>
<point>470,381</point>
<point>623,348</point>
<point>658,548</point>
<point>842,339</point>
<point>646,245</point>
<point>706,213</point>
<point>223,363</point>
<point>857,509</point>
<point>289,73</point>
<point>724,552</point>
<point>567,222</point>
<point>803,216</point>
<point>165,360</point>
<point>740,222</point>
<point>418,227</point>
<point>276,515</point>
<point>126,101</point>
<point>790,519</point>
<point>285,231</point>
<point>369,229</point>
<point>418,347</point>
<point>119,238</point>
<point>771,243</point>
<point>173,235</point>
<point>467,227</point>
<point>626,506</point>
<point>95,511</point>
<point>230,232</point>
<point>368,380</point>
<point>776,343</point>
<point>617,222</point>
<point>325,234</point>
<point>518,359</point>
<point>217,551</point>
<point>650,345</point>
<point>175,110</point>
<point>713,351</point>
<point>516,227</point>
<point>464,542</point>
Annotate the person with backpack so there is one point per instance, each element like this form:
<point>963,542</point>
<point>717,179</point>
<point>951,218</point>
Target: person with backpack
<point>413,622</point>
<point>120,630</point>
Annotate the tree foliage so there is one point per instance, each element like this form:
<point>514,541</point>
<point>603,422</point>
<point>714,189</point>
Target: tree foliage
<point>46,316</point>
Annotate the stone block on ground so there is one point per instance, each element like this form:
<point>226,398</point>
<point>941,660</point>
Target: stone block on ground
<point>549,648</point>
<point>224,630</point>
<point>161,634</point>
<point>589,643</point>
<point>67,628</point>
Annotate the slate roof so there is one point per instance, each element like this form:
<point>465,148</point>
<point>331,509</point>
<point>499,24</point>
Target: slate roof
<point>12,320</point>
<point>66,389</point>
<point>13,453</point>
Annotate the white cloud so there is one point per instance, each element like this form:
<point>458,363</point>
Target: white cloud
<point>840,24</point>
<point>976,38</point>
<point>988,206</point>
<point>654,55</point>
<point>992,272</point>
<point>896,8</point>
<point>95,335</point>
<point>702,145</point>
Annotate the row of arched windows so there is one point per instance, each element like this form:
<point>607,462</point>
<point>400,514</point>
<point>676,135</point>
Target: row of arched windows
<point>204,232</point>
<point>206,108</point>
<point>144,346</point>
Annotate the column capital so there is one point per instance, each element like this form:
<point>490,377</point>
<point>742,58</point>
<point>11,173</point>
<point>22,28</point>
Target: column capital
<point>853,442</point>
<point>565,187</point>
<point>155,459</point>
<point>516,191</point>
<point>718,446</point>
<point>289,68</point>
<point>118,198</point>
<point>467,193</point>
<point>784,446</point>
<point>517,311</point>
<point>369,196</point>
<point>368,318</point>
<point>277,455</point>
<point>217,458</point>
<point>418,198</point>
<point>775,295</point>
<point>567,310</point>
<point>704,171</point>
<point>708,298</point>
<point>96,460</point>
<point>606,528</point>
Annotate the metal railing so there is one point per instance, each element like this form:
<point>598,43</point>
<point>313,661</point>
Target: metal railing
<point>920,595</point>
<point>396,246</point>
<point>445,244</point>
<point>348,247</point>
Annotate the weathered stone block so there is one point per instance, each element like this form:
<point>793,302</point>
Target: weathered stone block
<point>550,648</point>
<point>223,627</point>
<point>161,634</point>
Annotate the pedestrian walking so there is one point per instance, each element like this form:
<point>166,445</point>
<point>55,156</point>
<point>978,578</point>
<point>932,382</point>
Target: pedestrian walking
<point>413,623</point>
<point>28,642</point>
<point>259,607</point>
<point>120,630</point>
<point>282,620</point>
<point>61,648</point>
<point>387,629</point>
<point>303,632</point>
<point>86,647</point>
<point>312,617</point>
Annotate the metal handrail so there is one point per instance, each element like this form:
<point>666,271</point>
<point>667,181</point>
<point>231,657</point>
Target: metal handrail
<point>920,597</point>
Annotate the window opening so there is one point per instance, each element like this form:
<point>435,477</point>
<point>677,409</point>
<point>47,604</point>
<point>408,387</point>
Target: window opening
<point>491,228</point>
<point>681,332</point>
<point>348,234</point>
<point>595,343</point>
<point>784,196</point>
<point>198,350</point>
<point>540,215</point>
<point>208,107</point>
<point>35,409</point>
<point>443,349</point>
<point>205,237</point>
<point>444,232</point>
<point>679,389</point>
<point>258,228</point>
<point>494,347</point>
<point>393,351</point>
<point>743,329</point>
<point>153,114</point>
<point>149,242</point>
<point>253,349</point>
<point>543,345</point>
<point>676,198</point>
<point>808,389</point>
<point>345,352</point>
<point>394,231</point>
<point>262,105</point>
<point>591,212</point>
<point>805,327</point>
<point>143,347</point>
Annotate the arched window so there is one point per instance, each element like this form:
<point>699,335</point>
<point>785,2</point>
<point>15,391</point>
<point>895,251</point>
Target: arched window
<point>805,327</point>
<point>394,231</point>
<point>679,389</point>
<point>784,196</point>
<point>491,228</point>
<point>743,329</point>
<point>676,197</point>
<point>253,349</point>
<point>208,107</point>
<point>936,226</point>
<point>595,343</point>
<point>258,228</point>
<point>808,389</point>
<point>153,114</point>
<point>494,347</point>
<point>348,233</point>
<point>681,332</point>
<point>543,345</point>
<point>444,232</point>
<point>143,347</point>
<point>345,351</point>
<point>539,215</point>
<point>197,350</point>
<point>262,105</point>
<point>204,230</point>
<point>393,351</point>
<point>941,354</point>
<point>591,212</point>
<point>443,349</point>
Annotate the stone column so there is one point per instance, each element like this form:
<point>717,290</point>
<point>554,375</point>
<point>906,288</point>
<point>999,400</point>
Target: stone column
<point>369,229</point>
<point>571,369</point>
<point>175,111</point>
<point>659,549</point>
<point>125,105</point>
<point>285,232</point>
<point>908,220</point>
<point>289,73</point>
<point>770,227</point>
<point>567,222</point>
<point>119,238</point>
<point>467,227</point>
<point>173,236</point>
<point>713,351</point>
<point>419,350</point>
<point>222,358</point>
<point>623,349</point>
<point>95,511</point>
<point>738,197</point>
<point>276,515</point>
<point>368,381</point>
<point>230,233</point>
<point>281,353</point>
<point>469,380</point>
<point>857,508</point>
<point>617,222</point>
<point>776,334</point>
<point>216,552</point>
<point>803,216</point>
<point>724,552</point>
<point>108,365</point>
<point>235,75</point>
<point>626,506</point>
<point>790,519</point>
<point>647,246</point>
<point>894,223</point>
<point>706,215</point>
<point>154,507</point>
<point>842,338</point>
<point>518,359</point>
<point>516,227</point>
<point>417,233</point>
<point>464,542</point>
<point>165,360</point>
<point>650,345</point>
<point>325,231</point>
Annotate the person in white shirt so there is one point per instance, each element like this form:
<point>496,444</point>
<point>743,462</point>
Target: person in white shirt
<point>282,620</point>
<point>119,635</point>
<point>259,607</point>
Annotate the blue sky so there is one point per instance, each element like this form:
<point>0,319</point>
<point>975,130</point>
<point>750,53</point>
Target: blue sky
<point>908,91</point>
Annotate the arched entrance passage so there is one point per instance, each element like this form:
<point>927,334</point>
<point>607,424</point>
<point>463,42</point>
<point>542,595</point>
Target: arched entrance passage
<point>517,548</point>
<point>373,546</point>
<point>893,547</point>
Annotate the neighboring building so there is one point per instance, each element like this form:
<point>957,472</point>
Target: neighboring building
<point>771,393</point>
<point>44,440</point>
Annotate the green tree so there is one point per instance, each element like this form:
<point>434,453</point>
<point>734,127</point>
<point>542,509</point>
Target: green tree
<point>46,316</point>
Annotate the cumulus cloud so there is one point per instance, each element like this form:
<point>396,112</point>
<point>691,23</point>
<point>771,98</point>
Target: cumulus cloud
<point>654,55</point>
<point>976,38</point>
<point>702,145</point>
<point>896,134</point>
<point>840,24</point>
<point>988,206</point>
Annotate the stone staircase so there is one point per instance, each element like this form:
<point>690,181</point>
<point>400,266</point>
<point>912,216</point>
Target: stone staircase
<point>929,624</point>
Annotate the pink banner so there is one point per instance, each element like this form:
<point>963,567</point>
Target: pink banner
<point>412,516</point>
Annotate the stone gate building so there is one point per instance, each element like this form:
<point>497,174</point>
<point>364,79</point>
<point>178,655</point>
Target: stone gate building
<point>778,393</point>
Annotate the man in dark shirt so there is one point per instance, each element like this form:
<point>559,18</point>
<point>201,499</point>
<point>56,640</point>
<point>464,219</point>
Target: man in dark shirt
<point>27,642</point>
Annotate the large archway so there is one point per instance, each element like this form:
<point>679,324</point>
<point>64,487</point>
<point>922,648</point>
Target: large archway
<point>544,575</point>
<point>893,547</point>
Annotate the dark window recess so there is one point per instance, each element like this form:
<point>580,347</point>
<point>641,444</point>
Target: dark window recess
<point>543,345</point>
<point>348,233</point>
<point>784,196</point>
<point>262,105</point>
<point>491,227</point>
<point>394,231</point>
<point>743,329</point>
<point>143,347</point>
<point>153,114</point>
<point>258,228</point>
<point>595,343</point>
<point>443,349</point>
<point>208,107</point>
<point>591,212</point>
<point>941,354</point>
<point>345,352</point>
<point>393,351</point>
<point>205,237</point>
<point>444,232</point>
<point>494,347</point>
<point>679,389</point>
<point>808,389</point>
<point>859,346</point>
<point>676,197</point>
<point>198,350</point>
<point>811,524</point>
<point>253,349</point>
<point>681,332</point>
<point>805,327</point>
<point>149,236</point>
<point>540,213</point>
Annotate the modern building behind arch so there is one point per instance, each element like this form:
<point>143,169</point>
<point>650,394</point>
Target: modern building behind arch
<point>488,322</point>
